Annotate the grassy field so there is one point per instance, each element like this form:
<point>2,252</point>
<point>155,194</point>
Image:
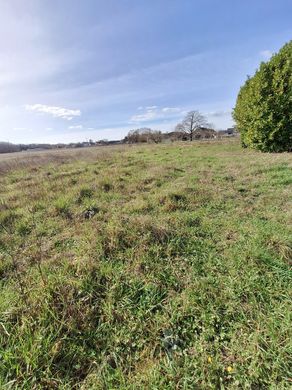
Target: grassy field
<point>146,267</point>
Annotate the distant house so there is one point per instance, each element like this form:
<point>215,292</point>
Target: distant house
<point>230,132</point>
<point>105,142</point>
<point>205,133</point>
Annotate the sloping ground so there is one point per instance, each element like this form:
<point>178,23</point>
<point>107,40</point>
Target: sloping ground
<point>154,267</point>
<point>30,159</point>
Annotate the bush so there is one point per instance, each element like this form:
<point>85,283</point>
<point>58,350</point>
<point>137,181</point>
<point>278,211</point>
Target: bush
<point>263,111</point>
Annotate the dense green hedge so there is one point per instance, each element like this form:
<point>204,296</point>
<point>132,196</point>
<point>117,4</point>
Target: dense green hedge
<point>263,111</point>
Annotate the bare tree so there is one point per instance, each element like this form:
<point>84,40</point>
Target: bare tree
<point>193,121</point>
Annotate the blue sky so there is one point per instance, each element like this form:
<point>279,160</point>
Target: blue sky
<point>74,70</point>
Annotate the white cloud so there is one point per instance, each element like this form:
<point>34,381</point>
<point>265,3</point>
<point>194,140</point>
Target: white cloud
<point>171,109</point>
<point>147,116</point>
<point>266,54</point>
<point>152,113</point>
<point>76,127</point>
<point>151,108</point>
<point>219,113</point>
<point>57,112</point>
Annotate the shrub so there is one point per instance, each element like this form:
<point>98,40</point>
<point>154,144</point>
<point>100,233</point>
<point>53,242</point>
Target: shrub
<point>263,111</point>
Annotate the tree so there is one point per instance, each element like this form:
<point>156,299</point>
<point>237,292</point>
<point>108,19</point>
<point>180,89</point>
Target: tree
<point>193,121</point>
<point>263,111</point>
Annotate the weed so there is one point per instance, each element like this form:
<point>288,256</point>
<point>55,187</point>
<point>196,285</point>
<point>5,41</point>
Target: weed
<point>85,193</point>
<point>62,206</point>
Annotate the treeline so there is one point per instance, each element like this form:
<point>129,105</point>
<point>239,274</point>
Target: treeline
<point>144,134</point>
<point>147,135</point>
<point>7,147</point>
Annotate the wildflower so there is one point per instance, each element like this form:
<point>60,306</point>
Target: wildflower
<point>229,369</point>
<point>209,359</point>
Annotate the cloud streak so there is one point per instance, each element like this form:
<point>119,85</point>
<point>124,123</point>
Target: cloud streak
<point>56,112</point>
<point>75,127</point>
<point>152,113</point>
<point>220,113</point>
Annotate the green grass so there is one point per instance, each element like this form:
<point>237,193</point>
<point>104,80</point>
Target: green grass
<point>148,267</point>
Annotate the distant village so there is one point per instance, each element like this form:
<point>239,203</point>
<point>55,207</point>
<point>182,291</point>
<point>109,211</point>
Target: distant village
<point>142,135</point>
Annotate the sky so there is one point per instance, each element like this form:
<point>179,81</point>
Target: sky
<point>75,70</point>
